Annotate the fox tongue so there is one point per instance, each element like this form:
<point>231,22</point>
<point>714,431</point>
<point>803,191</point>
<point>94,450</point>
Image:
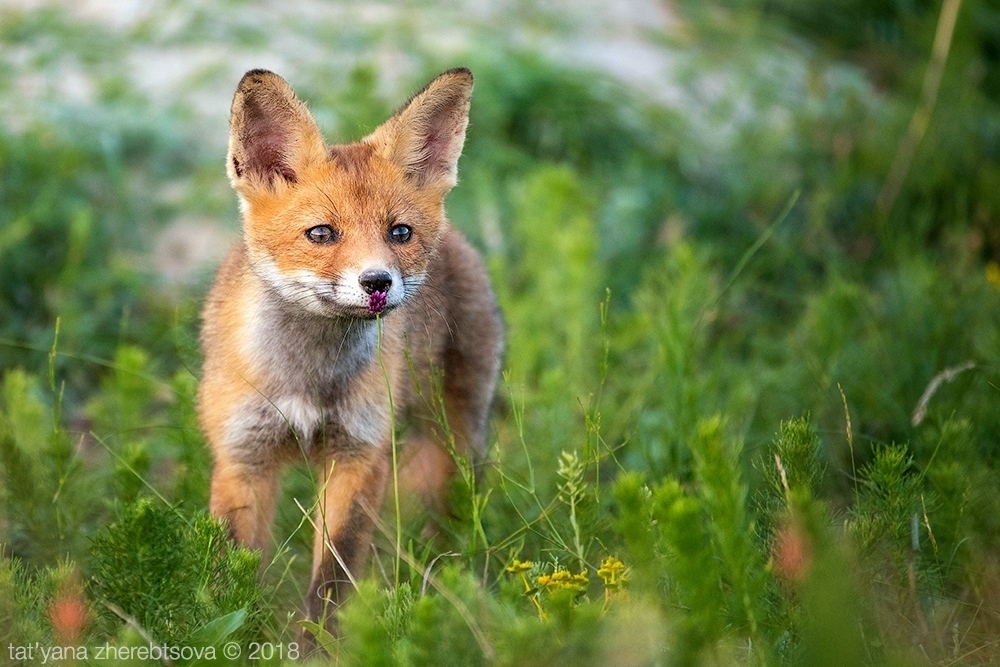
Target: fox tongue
<point>376,302</point>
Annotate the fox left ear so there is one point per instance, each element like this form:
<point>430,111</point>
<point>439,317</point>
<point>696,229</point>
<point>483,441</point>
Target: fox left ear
<point>272,136</point>
<point>425,137</point>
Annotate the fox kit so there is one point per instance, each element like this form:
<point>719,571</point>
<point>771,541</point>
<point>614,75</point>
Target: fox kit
<point>345,248</point>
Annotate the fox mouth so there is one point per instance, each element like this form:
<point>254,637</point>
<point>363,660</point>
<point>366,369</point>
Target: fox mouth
<point>339,297</point>
<point>377,306</point>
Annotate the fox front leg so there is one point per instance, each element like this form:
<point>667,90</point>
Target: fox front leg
<point>243,495</point>
<point>350,495</point>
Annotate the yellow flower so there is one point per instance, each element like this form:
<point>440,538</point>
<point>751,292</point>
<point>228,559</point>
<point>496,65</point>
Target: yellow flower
<point>563,579</point>
<point>613,573</point>
<point>520,566</point>
<point>993,273</point>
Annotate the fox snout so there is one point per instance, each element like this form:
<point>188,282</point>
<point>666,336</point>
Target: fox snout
<point>375,280</point>
<point>377,283</point>
<point>372,289</point>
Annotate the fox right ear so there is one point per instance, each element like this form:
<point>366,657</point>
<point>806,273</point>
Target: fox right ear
<point>425,137</point>
<point>272,136</point>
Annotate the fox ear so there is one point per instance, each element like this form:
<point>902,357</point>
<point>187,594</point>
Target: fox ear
<point>425,137</point>
<point>272,135</point>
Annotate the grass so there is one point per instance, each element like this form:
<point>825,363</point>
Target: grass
<point>746,416</point>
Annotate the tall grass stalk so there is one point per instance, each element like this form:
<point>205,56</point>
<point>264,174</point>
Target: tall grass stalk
<point>395,460</point>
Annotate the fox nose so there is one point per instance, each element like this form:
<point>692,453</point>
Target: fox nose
<point>375,280</point>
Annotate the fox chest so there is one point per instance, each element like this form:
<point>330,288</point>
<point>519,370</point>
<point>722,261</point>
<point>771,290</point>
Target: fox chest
<point>315,394</point>
<point>293,424</point>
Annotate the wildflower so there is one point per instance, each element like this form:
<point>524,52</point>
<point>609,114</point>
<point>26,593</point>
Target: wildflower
<point>521,568</point>
<point>993,274</point>
<point>69,616</point>
<point>791,553</point>
<point>563,579</point>
<point>613,573</point>
<point>376,302</point>
<point>518,566</point>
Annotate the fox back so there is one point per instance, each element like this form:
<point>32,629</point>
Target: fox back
<point>350,306</point>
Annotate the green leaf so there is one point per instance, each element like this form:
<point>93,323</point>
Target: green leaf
<point>325,639</point>
<point>218,629</point>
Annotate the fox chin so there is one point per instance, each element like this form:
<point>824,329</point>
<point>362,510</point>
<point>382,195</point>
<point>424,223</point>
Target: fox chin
<point>348,301</point>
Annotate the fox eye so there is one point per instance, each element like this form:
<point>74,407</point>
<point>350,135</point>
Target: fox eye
<point>321,234</point>
<point>400,233</point>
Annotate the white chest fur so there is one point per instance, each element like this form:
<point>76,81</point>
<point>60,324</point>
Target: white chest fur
<point>309,369</point>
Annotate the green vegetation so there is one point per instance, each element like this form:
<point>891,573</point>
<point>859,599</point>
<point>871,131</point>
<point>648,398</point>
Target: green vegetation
<point>751,404</point>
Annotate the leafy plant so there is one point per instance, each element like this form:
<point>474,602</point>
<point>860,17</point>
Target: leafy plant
<point>173,577</point>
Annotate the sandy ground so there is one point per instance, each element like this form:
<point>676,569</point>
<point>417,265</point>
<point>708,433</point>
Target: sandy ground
<point>624,38</point>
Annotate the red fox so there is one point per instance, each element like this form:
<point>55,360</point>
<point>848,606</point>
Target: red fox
<point>337,241</point>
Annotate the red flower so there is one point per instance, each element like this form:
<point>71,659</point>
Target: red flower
<point>69,616</point>
<point>791,553</point>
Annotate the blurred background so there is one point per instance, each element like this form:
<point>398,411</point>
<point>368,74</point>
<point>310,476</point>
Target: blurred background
<point>679,125</point>
<point>739,213</point>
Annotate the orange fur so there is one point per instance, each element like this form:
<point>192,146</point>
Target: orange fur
<point>292,366</point>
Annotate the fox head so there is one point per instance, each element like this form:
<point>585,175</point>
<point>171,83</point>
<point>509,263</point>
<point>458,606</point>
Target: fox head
<point>344,230</point>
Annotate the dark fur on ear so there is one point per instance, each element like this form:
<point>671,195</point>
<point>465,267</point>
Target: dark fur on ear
<point>272,135</point>
<point>425,137</point>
